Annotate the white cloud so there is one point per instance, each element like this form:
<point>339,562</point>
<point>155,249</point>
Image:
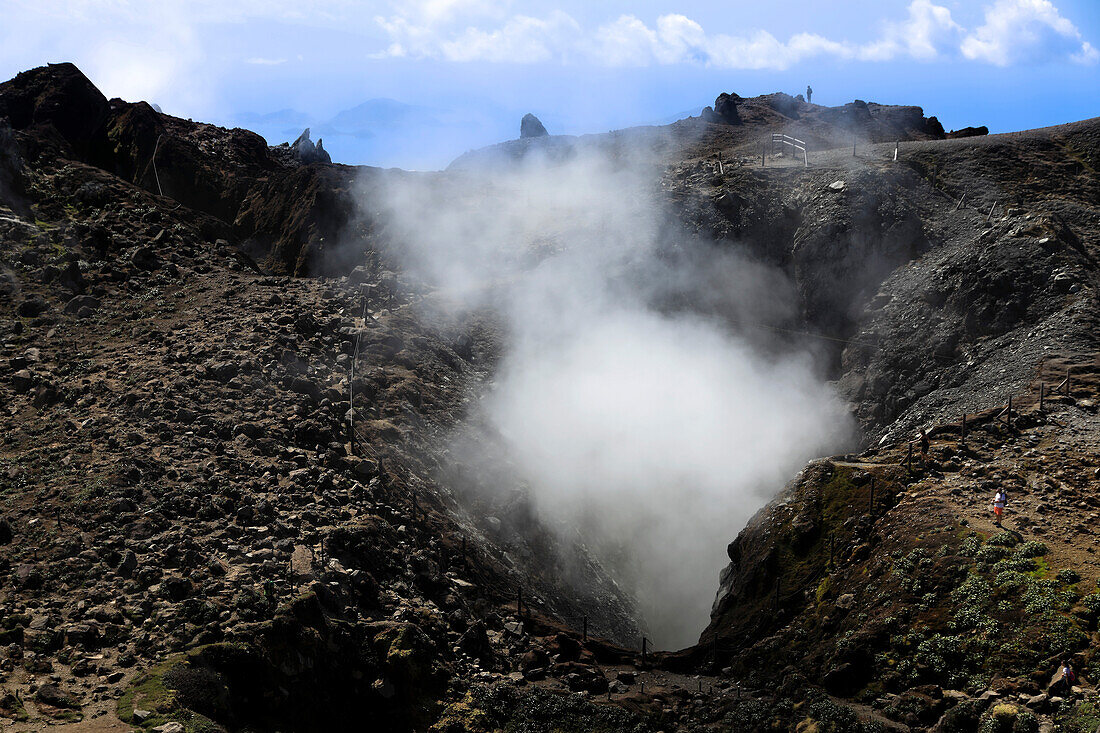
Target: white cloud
<point>1013,30</point>
<point>1026,31</point>
<point>522,39</point>
<point>762,50</point>
<point>928,29</point>
<point>1087,55</point>
<point>163,48</point>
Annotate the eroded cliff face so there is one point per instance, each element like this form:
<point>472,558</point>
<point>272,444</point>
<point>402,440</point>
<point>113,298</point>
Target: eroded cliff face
<point>291,218</point>
<point>995,299</point>
<point>927,309</point>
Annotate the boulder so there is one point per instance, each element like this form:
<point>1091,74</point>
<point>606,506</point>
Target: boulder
<point>56,697</point>
<point>531,126</point>
<point>71,278</point>
<point>144,258</point>
<point>22,381</point>
<point>128,565</point>
<point>82,306</point>
<point>365,469</point>
<point>1058,684</point>
<point>32,307</point>
<point>172,727</point>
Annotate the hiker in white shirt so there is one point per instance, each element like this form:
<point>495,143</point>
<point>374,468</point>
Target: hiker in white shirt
<point>999,501</point>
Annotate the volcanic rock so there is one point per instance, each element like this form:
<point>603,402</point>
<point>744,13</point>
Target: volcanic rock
<point>306,152</point>
<point>530,126</point>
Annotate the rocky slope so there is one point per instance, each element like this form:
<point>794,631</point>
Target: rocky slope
<point>194,536</point>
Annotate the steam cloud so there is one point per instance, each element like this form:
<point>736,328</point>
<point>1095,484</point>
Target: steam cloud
<point>635,404</point>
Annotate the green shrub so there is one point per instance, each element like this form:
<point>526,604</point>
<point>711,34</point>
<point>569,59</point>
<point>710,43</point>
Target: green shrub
<point>1031,548</point>
<point>1011,580</point>
<point>990,554</point>
<point>971,545</point>
<point>1017,564</point>
<point>1068,576</point>
<point>1004,539</point>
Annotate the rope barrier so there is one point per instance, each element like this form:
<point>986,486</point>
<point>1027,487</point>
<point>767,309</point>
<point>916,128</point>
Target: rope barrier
<point>153,160</point>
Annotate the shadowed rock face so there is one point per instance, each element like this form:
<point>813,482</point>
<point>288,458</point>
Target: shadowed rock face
<point>12,185</point>
<point>61,106</point>
<point>531,126</point>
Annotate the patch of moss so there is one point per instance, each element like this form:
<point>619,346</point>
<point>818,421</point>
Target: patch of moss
<point>463,715</point>
<point>149,692</point>
<point>823,588</point>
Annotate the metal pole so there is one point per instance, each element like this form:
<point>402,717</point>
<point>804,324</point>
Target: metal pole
<point>1042,394</point>
<point>1008,414</point>
<point>896,146</point>
<point>909,458</point>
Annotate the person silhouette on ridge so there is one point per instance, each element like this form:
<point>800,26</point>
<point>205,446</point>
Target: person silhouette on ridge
<point>809,93</point>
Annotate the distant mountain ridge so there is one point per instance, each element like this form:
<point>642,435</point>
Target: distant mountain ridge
<point>388,132</point>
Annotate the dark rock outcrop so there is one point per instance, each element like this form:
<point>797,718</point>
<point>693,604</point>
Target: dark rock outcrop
<point>56,111</point>
<point>724,111</point>
<point>61,105</point>
<point>306,152</point>
<point>968,132</point>
<point>531,126</point>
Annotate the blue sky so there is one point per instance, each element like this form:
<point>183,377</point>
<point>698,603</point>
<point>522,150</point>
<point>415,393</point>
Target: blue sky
<point>463,71</point>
